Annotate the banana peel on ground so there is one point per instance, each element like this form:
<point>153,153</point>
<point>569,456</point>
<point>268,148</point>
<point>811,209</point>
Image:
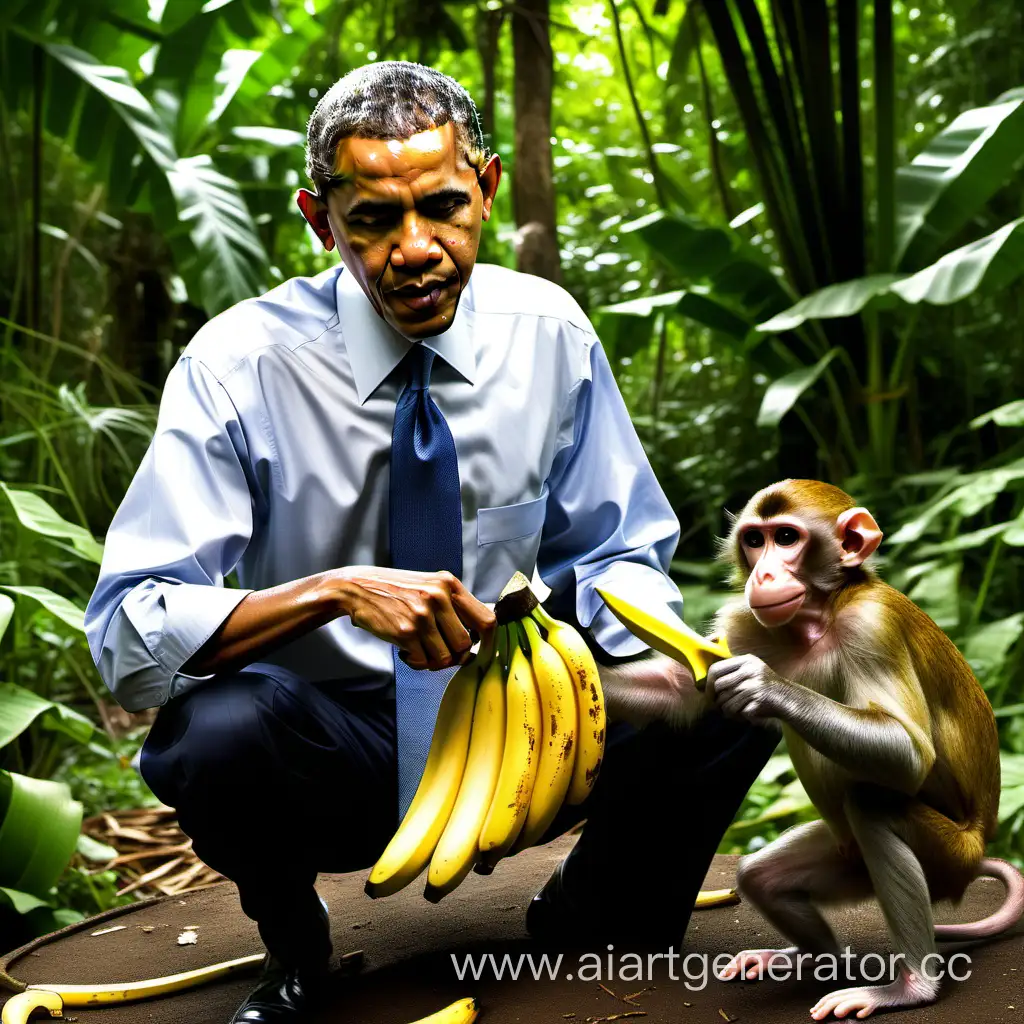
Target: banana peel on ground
<point>659,627</point>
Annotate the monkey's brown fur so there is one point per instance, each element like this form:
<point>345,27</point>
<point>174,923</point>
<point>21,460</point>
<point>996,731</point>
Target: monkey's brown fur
<point>873,634</point>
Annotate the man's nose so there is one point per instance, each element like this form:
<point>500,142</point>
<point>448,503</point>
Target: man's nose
<point>418,245</point>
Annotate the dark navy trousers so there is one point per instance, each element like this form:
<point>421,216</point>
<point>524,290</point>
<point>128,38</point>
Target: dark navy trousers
<point>276,780</point>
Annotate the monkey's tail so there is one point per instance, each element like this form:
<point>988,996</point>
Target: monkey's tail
<point>1005,917</point>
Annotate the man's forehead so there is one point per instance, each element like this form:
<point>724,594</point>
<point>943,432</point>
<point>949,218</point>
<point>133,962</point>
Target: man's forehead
<point>432,150</point>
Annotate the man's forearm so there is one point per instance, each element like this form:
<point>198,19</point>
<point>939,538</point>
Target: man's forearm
<point>268,619</point>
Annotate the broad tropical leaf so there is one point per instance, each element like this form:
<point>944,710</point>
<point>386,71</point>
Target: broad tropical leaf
<point>985,266</point>
<point>19,708</point>
<point>70,614</point>
<point>1009,415</point>
<point>230,261</point>
<point>954,176</point>
<point>739,277</point>
<point>37,515</point>
<point>114,86</point>
<point>699,303</point>
<point>6,611</point>
<point>783,394</point>
<point>38,833</point>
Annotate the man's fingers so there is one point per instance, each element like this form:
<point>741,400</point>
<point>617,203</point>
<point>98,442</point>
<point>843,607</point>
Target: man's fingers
<point>474,614</point>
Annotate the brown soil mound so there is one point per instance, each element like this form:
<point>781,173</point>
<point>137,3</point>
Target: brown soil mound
<point>408,945</point>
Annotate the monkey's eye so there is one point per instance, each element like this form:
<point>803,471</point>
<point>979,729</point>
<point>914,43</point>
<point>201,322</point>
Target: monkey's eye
<point>753,539</point>
<point>786,535</point>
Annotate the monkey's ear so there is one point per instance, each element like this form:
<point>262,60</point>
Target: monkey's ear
<point>858,534</point>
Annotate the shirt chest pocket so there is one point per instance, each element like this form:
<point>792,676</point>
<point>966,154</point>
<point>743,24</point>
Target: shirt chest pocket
<point>508,538</point>
<point>511,522</point>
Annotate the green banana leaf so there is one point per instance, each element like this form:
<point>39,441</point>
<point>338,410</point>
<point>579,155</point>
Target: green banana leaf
<point>37,515</point>
<point>199,209</point>
<point>949,182</point>
<point>699,303</point>
<point>975,492</point>
<point>782,394</point>
<point>987,647</point>
<point>70,614</point>
<point>984,266</point>
<point>6,613</point>
<point>738,276</point>
<point>110,90</point>
<point>39,828</point>
<point>1011,799</point>
<point>1009,415</point>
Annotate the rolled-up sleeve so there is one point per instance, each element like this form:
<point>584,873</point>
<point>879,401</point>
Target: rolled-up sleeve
<point>607,517</point>
<point>184,523</point>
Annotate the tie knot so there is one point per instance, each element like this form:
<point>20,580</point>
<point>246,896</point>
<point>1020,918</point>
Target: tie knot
<point>420,359</point>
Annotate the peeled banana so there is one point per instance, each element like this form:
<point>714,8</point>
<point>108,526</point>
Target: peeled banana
<point>54,997</point>
<point>413,844</point>
<point>716,898</point>
<point>659,627</point>
<point>19,1008</point>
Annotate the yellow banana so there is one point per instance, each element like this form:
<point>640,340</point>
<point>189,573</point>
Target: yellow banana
<point>511,802</point>
<point>716,898</point>
<point>458,848</point>
<point>464,1011</point>
<point>54,997</point>
<point>558,735</point>
<point>659,627</point>
<point>19,1008</point>
<point>413,844</point>
<point>589,702</point>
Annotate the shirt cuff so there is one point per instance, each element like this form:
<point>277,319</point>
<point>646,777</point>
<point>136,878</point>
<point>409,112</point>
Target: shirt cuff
<point>591,611</point>
<point>191,614</point>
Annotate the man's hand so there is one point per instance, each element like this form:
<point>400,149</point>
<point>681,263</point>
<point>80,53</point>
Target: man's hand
<point>429,616</point>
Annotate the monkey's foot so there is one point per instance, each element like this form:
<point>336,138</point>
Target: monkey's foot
<point>906,991</point>
<point>751,963</point>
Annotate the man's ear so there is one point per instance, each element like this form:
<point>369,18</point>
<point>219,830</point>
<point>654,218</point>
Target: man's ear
<point>489,178</point>
<point>858,534</point>
<point>314,209</point>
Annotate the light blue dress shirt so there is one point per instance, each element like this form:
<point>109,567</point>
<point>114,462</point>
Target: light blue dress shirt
<point>271,458</point>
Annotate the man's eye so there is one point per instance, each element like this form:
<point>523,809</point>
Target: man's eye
<point>753,539</point>
<point>786,535</point>
<point>444,209</point>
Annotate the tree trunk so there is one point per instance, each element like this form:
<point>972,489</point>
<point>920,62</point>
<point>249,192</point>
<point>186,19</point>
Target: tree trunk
<point>533,193</point>
<point>488,33</point>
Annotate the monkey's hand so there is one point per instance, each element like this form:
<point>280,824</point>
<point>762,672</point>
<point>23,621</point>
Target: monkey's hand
<point>745,687</point>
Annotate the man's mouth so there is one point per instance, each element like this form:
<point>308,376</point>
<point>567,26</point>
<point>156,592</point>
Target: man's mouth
<point>425,295</point>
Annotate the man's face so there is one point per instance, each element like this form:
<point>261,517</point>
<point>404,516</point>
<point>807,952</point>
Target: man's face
<point>405,217</point>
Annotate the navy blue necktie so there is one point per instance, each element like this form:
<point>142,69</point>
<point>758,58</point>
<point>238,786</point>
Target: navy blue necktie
<point>425,519</point>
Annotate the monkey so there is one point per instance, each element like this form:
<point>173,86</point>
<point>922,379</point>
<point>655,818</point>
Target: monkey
<point>890,733</point>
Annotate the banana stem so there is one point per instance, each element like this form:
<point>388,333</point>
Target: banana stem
<point>528,628</point>
<point>503,651</point>
<point>539,614</point>
<point>485,653</point>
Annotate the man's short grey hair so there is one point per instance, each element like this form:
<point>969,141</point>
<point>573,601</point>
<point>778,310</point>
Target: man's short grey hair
<point>390,99</point>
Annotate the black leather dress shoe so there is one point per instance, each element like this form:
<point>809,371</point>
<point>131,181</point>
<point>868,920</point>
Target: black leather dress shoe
<point>284,995</point>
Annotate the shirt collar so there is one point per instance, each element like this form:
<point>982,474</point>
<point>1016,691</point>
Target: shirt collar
<point>375,348</point>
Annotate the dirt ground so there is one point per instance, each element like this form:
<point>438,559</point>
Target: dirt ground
<point>408,947</point>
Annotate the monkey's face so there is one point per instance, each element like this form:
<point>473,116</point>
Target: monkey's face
<point>774,550</point>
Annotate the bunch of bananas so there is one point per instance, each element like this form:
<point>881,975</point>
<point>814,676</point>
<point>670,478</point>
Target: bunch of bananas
<point>520,733</point>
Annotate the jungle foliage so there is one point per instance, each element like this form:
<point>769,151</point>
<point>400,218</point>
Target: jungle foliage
<point>796,225</point>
